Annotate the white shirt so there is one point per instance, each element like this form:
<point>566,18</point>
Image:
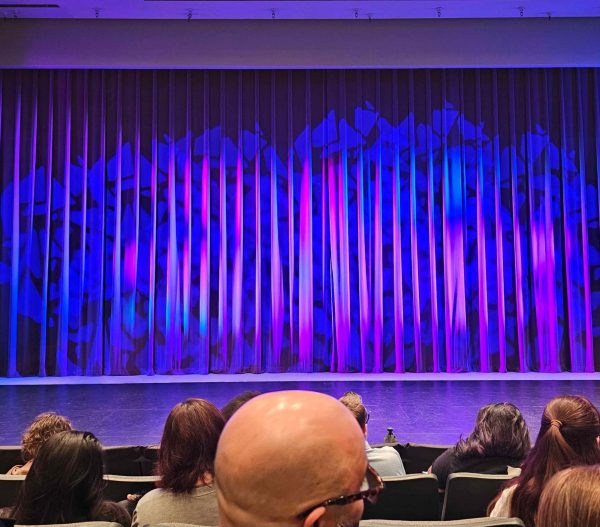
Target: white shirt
<point>385,460</point>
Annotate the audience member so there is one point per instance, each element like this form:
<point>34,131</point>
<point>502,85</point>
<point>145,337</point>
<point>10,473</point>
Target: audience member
<point>43,426</point>
<point>385,460</point>
<point>293,458</point>
<point>568,437</point>
<point>571,499</point>
<point>186,468</point>
<point>65,484</point>
<point>499,440</point>
<point>236,403</point>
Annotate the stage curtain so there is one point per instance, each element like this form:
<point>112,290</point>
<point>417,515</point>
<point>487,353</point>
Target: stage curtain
<point>299,221</point>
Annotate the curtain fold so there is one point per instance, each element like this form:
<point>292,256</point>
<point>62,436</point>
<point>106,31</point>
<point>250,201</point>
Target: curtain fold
<point>299,221</point>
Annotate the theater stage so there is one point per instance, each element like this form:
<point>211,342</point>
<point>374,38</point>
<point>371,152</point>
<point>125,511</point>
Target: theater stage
<point>424,408</point>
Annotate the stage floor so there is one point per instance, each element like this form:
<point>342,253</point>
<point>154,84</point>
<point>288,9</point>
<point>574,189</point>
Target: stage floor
<point>421,408</point>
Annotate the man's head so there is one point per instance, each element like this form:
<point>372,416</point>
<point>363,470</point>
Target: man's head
<point>236,403</point>
<point>284,454</point>
<point>353,402</point>
<point>43,427</point>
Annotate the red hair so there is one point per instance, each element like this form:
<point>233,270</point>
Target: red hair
<point>568,437</point>
<point>189,445</point>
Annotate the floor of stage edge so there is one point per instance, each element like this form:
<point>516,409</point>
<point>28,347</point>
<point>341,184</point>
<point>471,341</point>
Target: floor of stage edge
<point>422,408</point>
<point>297,377</point>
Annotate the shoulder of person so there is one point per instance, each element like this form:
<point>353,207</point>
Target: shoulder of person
<point>113,512</point>
<point>150,495</point>
<point>502,507</point>
<point>447,456</point>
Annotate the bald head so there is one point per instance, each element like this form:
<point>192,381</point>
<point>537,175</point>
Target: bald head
<point>282,454</point>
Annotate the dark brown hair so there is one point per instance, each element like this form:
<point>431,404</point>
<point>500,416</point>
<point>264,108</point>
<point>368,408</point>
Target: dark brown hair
<point>568,437</point>
<point>500,431</point>
<point>65,482</point>
<point>43,426</point>
<point>571,498</point>
<point>189,445</point>
<point>236,403</point>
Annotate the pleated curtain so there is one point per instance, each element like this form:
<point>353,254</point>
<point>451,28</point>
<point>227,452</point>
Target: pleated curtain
<point>299,221</point>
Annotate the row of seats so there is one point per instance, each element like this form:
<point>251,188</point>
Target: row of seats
<point>411,497</point>
<point>416,497</point>
<point>123,460</point>
<point>140,460</point>
<point>117,487</point>
<point>475,522</point>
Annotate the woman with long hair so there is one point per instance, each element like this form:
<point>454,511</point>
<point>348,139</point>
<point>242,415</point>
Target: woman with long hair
<point>571,499</point>
<point>499,440</point>
<point>568,437</point>
<point>65,484</point>
<point>186,456</point>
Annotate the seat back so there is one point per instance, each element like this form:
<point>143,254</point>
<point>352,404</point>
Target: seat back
<point>468,495</point>
<point>123,460</point>
<point>473,522</point>
<point>9,457</point>
<point>411,497</point>
<point>9,489</point>
<point>418,458</point>
<point>148,460</point>
<point>174,524</point>
<point>117,486</point>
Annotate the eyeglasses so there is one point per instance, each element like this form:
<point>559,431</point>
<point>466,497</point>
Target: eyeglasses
<point>371,486</point>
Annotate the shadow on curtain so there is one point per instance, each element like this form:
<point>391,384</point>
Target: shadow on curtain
<point>267,221</point>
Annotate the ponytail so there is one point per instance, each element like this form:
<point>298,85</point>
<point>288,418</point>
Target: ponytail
<point>568,437</point>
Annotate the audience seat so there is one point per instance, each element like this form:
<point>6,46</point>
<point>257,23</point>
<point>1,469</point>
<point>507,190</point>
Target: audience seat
<point>472,522</point>
<point>9,457</point>
<point>118,486</point>
<point>468,495</point>
<point>9,488</point>
<point>173,524</point>
<point>418,458</point>
<point>148,460</point>
<point>123,460</point>
<point>410,497</point>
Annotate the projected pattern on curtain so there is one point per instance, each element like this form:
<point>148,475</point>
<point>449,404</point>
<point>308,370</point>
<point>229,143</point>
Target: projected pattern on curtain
<point>248,221</point>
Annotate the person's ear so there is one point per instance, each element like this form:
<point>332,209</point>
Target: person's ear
<point>313,518</point>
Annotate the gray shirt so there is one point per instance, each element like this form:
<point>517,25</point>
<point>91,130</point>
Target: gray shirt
<point>163,506</point>
<point>385,460</point>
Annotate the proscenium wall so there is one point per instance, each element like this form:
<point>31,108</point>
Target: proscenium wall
<point>299,43</point>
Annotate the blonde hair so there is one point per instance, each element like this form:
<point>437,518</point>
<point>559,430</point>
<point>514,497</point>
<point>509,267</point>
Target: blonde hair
<point>40,430</point>
<point>571,499</point>
<point>353,402</point>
